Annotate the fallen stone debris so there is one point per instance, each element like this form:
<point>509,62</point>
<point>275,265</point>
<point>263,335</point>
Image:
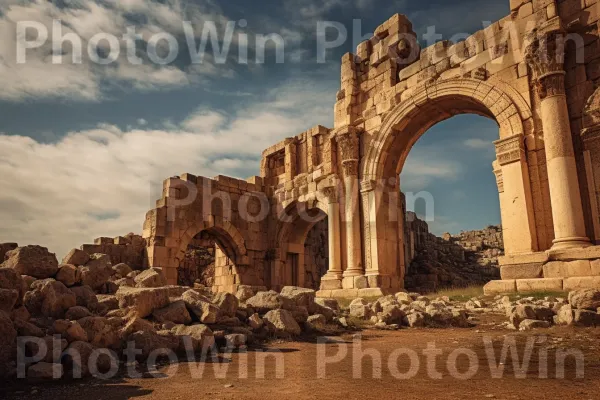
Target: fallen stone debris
<point>57,314</point>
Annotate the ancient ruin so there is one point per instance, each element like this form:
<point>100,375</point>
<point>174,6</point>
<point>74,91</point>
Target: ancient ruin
<point>533,72</point>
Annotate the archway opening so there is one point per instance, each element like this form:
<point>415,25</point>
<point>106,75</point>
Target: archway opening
<point>452,232</point>
<point>303,243</point>
<point>207,258</point>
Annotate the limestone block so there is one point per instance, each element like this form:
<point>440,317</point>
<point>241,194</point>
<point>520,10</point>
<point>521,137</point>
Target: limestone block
<point>371,292</point>
<point>540,285</point>
<point>331,284</point>
<point>555,269</point>
<point>595,267</point>
<point>345,293</point>
<point>580,283</point>
<point>578,268</point>
<point>526,271</point>
<point>499,287</point>
<point>360,282</point>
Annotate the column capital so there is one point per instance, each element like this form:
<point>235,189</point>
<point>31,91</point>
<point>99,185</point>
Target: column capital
<point>348,144</point>
<point>330,193</point>
<point>367,185</point>
<point>545,55</point>
<point>510,150</point>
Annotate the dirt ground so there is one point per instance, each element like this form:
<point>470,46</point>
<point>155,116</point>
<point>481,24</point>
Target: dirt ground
<point>300,378</point>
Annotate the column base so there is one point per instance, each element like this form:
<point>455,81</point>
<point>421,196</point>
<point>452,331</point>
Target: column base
<point>355,282</point>
<point>331,282</point>
<point>570,243</point>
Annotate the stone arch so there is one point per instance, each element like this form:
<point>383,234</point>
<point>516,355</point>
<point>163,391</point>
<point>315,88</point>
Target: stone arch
<point>290,237</point>
<point>429,104</point>
<point>225,233</point>
<point>438,101</point>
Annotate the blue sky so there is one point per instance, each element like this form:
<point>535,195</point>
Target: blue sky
<point>84,147</point>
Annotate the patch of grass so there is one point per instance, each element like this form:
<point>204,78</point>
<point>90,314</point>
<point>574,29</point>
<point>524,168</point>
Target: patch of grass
<point>460,294</point>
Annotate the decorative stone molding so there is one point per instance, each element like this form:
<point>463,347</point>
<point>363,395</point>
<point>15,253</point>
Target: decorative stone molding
<point>330,193</point>
<point>545,55</point>
<point>510,150</point>
<point>367,186</point>
<point>348,144</point>
<point>499,176</point>
<point>591,112</point>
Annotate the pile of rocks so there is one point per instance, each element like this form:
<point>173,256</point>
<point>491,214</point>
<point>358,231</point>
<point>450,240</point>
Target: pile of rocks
<point>581,309</point>
<point>467,259</point>
<point>411,310</point>
<point>86,304</point>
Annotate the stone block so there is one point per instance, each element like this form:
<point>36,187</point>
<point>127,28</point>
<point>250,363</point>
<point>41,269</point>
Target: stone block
<point>555,269</point>
<point>360,282</point>
<point>525,271</point>
<point>500,287</point>
<point>325,294</point>
<point>595,267</point>
<point>331,284</point>
<point>371,292</point>
<point>539,285</point>
<point>580,283</point>
<point>344,293</point>
<point>578,268</point>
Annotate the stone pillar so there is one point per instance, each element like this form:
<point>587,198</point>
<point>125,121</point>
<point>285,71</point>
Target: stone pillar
<point>545,55</point>
<point>348,145</point>
<point>333,278</point>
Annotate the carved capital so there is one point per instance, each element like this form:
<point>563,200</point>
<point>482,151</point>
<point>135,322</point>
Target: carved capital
<point>350,168</point>
<point>545,55</point>
<point>510,150</point>
<point>367,186</point>
<point>499,177</point>
<point>348,144</point>
<point>331,193</point>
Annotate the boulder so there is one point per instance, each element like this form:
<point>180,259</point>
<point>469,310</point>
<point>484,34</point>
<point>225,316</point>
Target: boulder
<point>301,297</point>
<point>77,312</point>
<point>150,278</point>
<point>202,307</point>
<point>316,322</point>
<point>201,335</point>
<point>21,313</point>
<point>244,292</point>
<point>143,300</point>
<point>565,315</point>
<point>255,321</point>
<point>416,320</point>
<point>329,303</point>
<point>227,302</point>
<point>122,269</point>
<point>70,330</point>
<point>68,274</point>
<point>10,279</point>
<point>24,328</point>
<point>100,332</point>
<point>520,313</point>
<point>529,324</point>
<point>97,271</point>
<point>175,312</point>
<point>34,261</point>
<point>76,257</point>
<point>403,297</point>
<point>8,337</point>
<point>49,298</point>
<point>28,281</point>
<point>49,344</point>
<point>5,248</point>
<point>281,322</point>
<point>263,302</point>
<point>109,301</point>
<point>8,299</point>
<point>44,371</point>
<point>85,297</point>
<point>236,340</point>
<point>148,341</point>
<point>585,299</point>
<point>327,312</point>
<point>391,314</point>
<point>361,311</point>
<point>586,318</point>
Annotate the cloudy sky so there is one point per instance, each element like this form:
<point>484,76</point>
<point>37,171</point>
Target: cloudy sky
<point>84,147</point>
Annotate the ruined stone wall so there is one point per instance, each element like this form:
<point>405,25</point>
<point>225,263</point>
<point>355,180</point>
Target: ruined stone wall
<point>316,255</point>
<point>129,249</point>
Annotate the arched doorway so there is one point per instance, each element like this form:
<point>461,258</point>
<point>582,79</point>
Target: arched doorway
<point>452,226</point>
<point>386,154</point>
<point>302,246</point>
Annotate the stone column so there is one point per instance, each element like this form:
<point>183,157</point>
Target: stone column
<point>545,55</point>
<point>348,145</point>
<point>333,278</point>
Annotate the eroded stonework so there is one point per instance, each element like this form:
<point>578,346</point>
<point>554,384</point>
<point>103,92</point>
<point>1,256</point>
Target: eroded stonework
<point>525,72</point>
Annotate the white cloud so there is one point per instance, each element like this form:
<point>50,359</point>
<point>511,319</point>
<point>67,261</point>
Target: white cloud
<point>101,182</point>
<point>423,168</point>
<point>476,143</point>
<point>38,77</point>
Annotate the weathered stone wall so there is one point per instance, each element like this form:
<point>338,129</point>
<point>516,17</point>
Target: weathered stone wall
<point>129,249</point>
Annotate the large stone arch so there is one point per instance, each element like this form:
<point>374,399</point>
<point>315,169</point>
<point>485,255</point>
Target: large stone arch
<point>497,101</point>
<point>388,148</point>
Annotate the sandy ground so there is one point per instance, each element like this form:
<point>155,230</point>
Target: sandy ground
<point>300,377</point>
